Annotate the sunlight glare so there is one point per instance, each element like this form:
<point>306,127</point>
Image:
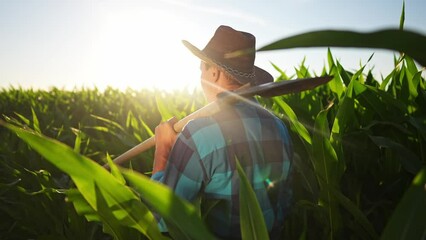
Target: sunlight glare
<point>141,48</point>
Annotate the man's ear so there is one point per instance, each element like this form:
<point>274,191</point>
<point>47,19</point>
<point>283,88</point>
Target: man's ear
<point>215,74</point>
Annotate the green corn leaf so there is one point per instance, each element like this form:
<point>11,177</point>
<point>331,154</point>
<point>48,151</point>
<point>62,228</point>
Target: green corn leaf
<point>382,103</point>
<point>166,113</point>
<point>328,170</point>
<point>131,121</point>
<point>36,123</point>
<point>402,18</point>
<point>111,224</point>
<point>133,124</point>
<point>123,136</point>
<point>147,128</point>
<point>412,80</point>
<point>411,67</point>
<point>420,125</point>
<point>100,128</point>
<point>344,119</point>
<point>24,119</point>
<point>336,84</point>
<point>302,71</point>
<point>114,170</point>
<point>77,142</point>
<point>411,43</point>
<point>407,84</point>
<point>408,221</point>
<point>409,160</point>
<point>81,205</point>
<point>358,216</point>
<point>108,121</point>
<point>385,82</point>
<point>86,174</point>
<point>358,75</point>
<point>307,174</point>
<point>343,74</point>
<point>251,218</point>
<point>330,60</point>
<point>295,124</point>
<point>283,75</point>
<point>183,215</point>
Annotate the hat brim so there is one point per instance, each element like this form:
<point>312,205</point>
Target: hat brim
<point>260,76</point>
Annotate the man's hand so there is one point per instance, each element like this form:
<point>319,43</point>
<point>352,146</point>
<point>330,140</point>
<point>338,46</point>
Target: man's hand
<point>165,137</point>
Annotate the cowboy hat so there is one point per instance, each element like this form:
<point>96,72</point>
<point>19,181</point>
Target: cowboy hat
<point>234,52</point>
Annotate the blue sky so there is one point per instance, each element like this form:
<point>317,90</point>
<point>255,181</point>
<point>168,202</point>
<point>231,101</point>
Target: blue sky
<point>137,44</point>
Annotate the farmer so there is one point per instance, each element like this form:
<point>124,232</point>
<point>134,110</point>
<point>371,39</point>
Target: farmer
<point>201,160</point>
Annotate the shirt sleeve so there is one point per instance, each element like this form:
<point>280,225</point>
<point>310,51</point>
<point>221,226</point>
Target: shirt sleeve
<point>184,172</point>
<point>184,169</point>
<point>157,176</point>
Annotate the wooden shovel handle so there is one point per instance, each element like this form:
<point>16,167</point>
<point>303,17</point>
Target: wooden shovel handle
<point>150,142</point>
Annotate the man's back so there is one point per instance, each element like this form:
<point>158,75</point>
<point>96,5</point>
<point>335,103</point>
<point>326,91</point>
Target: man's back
<point>202,163</point>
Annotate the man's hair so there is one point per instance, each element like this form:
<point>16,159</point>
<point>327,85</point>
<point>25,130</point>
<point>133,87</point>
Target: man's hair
<point>231,79</point>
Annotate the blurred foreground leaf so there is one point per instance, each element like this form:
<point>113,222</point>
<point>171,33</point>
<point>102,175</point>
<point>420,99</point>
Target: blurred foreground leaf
<point>92,180</point>
<point>409,218</point>
<point>175,211</point>
<point>251,218</point>
<point>411,43</point>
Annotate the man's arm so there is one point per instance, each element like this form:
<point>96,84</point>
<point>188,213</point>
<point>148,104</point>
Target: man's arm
<point>179,167</point>
<point>165,138</point>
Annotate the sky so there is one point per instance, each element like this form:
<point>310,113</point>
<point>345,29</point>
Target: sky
<point>73,44</point>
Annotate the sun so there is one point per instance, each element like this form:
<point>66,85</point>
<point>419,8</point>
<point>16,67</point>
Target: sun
<point>141,48</point>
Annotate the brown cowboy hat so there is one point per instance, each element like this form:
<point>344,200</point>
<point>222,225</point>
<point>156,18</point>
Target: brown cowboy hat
<point>234,52</point>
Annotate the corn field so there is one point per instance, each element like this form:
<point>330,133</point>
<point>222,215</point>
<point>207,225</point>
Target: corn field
<point>360,145</point>
<point>360,158</point>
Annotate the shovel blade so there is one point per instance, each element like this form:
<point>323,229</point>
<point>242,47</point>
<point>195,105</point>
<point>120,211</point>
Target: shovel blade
<point>274,89</point>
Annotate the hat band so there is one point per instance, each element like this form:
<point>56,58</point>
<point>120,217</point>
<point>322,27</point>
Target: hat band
<point>235,71</point>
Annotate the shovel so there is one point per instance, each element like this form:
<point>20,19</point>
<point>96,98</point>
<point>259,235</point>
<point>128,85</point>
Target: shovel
<point>264,90</point>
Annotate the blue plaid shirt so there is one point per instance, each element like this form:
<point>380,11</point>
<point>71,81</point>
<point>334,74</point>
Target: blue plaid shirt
<point>202,163</point>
